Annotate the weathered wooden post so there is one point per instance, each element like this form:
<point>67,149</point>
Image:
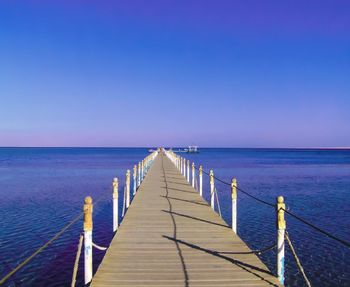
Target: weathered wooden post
<point>234,204</point>
<point>188,171</point>
<point>181,165</point>
<point>115,204</point>
<point>212,189</point>
<point>139,175</point>
<point>87,239</point>
<point>281,227</point>
<point>127,183</point>
<point>193,174</point>
<point>200,180</point>
<point>134,179</point>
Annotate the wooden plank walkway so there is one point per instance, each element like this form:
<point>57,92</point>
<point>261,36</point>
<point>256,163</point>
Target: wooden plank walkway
<point>171,237</point>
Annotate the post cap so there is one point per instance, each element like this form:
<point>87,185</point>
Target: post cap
<point>88,200</point>
<point>280,199</point>
<point>115,179</point>
<point>234,182</point>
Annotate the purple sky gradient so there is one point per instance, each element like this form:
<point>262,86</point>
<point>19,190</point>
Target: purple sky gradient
<point>150,73</point>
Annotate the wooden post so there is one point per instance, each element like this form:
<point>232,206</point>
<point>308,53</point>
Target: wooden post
<point>88,240</point>
<point>281,227</point>
<point>139,175</point>
<point>193,174</point>
<point>234,204</point>
<point>200,180</point>
<point>134,179</point>
<point>188,171</point>
<point>184,168</point>
<point>146,165</point>
<point>142,170</point>
<point>180,164</point>
<point>212,195</point>
<point>115,204</point>
<point>127,183</point>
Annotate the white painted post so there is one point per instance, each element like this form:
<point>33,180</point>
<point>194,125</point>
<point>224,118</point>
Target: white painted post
<point>115,204</point>
<point>139,175</point>
<point>234,204</point>
<point>200,180</point>
<point>134,179</point>
<point>212,195</point>
<point>127,182</point>
<point>181,165</point>
<point>184,169</point>
<point>193,174</point>
<point>281,227</point>
<point>88,240</point>
<point>142,170</point>
<point>188,171</point>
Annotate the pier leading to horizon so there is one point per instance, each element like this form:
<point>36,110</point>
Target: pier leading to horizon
<point>170,236</point>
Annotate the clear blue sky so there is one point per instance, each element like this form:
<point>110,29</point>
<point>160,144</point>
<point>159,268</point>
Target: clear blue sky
<point>149,73</point>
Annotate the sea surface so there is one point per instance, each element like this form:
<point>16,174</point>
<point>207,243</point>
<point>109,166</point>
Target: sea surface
<point>43,189</point>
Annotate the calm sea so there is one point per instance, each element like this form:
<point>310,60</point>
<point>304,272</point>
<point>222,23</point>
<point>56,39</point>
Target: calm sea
<point>42,189</point>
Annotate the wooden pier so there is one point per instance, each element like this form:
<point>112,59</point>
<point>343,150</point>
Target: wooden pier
<point>170,236</point>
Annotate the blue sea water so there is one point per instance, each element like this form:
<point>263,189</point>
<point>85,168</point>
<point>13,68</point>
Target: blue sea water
<point>42,189</point>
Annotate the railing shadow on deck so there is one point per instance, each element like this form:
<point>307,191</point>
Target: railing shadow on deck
<point>181,190</point>
<point>184,200</point>
<point>196,218</point>
<point>179,251</point>
<point>245,266</point>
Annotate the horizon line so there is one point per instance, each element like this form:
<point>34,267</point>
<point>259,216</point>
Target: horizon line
<point>205,147</point>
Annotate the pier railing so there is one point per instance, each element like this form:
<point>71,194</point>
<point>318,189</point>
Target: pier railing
<point>139,173</point>
<point>86,238</point>
<point>195,179</point>
<point>279,208</point>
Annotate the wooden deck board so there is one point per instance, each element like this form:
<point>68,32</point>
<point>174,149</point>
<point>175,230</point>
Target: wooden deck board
<point>171,237</point>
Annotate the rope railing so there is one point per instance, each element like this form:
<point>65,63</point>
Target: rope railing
<point>44,246</point>
<point>279,208</point>
<point>326,233</point>
<point>217,201</point>
<point>297,261</point>
<point>345,243</point>
<point>76,262</point>
<point>99,247</point>
<point>143,168</point>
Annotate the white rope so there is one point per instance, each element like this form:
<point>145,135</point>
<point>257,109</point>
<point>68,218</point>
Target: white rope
<point>217,200</point>
<point>196,184</point>
<point>297,260</point>
<point>99,247</point>
<point>124,202</point>
<point>76,263</point>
